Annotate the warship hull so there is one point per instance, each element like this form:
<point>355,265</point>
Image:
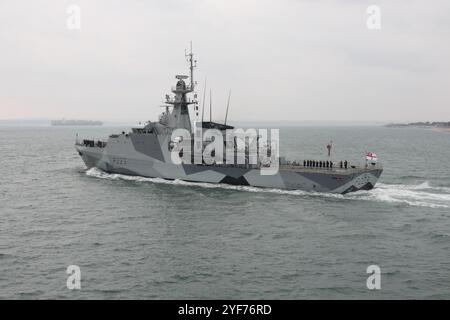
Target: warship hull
<point>141,155</point>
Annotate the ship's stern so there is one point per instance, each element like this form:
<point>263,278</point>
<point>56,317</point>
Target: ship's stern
<point>365,180</point>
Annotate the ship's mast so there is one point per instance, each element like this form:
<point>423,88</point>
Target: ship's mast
<point>203,101</point>
<point>179,117</point>
<point>210,105</point>
<point>228,106</point>
<point>192,65</point>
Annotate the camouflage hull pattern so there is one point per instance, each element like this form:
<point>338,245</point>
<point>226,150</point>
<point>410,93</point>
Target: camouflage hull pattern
<point>143,155</point>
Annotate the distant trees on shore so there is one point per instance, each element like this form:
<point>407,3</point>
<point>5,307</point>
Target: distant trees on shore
<point>421,124</point>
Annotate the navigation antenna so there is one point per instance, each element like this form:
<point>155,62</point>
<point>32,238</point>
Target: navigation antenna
<point>210,105</point>
<point>203,102</point>
<point>193,64</point>
<point>228,105</point>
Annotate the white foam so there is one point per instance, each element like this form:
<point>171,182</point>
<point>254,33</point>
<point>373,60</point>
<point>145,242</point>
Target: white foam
<point>421,195</point>
<point>426,185</point>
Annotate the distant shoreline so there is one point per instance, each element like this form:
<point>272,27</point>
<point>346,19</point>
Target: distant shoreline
<point>434,126</point>
<point>437,129</point>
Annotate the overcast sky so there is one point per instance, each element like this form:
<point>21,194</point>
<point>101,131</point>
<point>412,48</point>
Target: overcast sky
<point>283,59</point>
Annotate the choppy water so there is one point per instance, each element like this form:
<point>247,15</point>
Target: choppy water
<point>150,238</point>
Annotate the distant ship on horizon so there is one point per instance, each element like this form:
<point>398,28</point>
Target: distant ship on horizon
<point>64,122</point>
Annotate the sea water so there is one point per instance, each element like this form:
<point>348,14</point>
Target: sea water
<point>135,237</point>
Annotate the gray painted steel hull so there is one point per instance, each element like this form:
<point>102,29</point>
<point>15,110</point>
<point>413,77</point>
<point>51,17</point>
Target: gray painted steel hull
<point>142,155</point>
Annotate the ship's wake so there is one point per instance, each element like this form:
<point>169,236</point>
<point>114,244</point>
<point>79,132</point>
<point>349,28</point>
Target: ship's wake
<point>422,195</point>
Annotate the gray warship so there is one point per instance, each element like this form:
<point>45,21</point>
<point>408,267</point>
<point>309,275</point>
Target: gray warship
<point>147,151</point>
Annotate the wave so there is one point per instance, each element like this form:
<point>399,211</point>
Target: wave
<point>426,186</point>
<point>421,195</point>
